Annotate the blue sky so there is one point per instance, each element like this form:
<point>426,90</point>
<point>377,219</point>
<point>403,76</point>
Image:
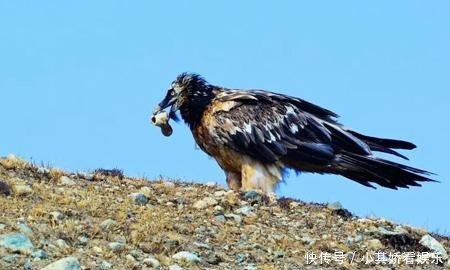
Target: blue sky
<point>78,81</point>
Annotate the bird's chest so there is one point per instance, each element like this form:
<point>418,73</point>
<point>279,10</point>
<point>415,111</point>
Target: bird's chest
<point>206,136</point>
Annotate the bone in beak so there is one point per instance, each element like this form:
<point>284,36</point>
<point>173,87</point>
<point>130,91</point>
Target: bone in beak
<point>161,119</point>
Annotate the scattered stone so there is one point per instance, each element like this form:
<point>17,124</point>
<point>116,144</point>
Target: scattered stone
<point>130,258</point>
<point>66,181</point>
<point>202,245</point>
<point>152,262</point>
<point>61,244</point>
<point>85,175</point>
<point>83,240</point>
<point>398,230</point>
<point>116,246</point>
<point>27,265</point>
<point>220,193</point>
<point>39,254</point>
<point>201,204</point>
<point>187,256</point>
<point>236,218</point>
<point>4,188</point>
<point>374,244</point>
<point>251,267</point>
<point>139,198</point>
<point>20,189</point>
<point>220,218</point>
<point>68,263</point>
<point>431,243</point>
<point>175,267</point>
<point>106,265</point>
<point>146,191</point>
<point>97,250</point>
<point>107,224</point>
<point>169,184</point>
<point>211,184</point>
<point>57,216</point>
<point>245,210</point>
<point>16,242</point>
<point>23,228</point>
<point>279,254</point>
<point>10,258</point>
<point>253,196</point>
<point>42,170</point>
<point>240,258</point>
<point>2,226</point>
<point>335,206</point>
<point>210,201</point>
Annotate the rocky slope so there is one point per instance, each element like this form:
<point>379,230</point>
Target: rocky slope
<point>53,219</point>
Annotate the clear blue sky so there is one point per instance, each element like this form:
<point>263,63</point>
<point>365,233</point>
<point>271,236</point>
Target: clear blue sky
<point>78,80</point>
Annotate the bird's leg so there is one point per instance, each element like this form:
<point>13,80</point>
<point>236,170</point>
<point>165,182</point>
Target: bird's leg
<point>234,180</point>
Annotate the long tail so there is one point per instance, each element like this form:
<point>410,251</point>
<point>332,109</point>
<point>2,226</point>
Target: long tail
<point>368,169</point>
<point>384,145</point>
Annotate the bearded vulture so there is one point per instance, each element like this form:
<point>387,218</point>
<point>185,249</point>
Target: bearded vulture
<point>255,135</point>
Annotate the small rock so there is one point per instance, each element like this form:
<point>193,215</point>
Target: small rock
<point>61,244</point>
<point>250,267</point>
<point>397,231</point>
<point>187,256</point>
<point>21,189</point>
<point>130,258</point>
<point>16,242</point>
<point>210,201</point>
<point>27,265</point>
<point>10,258</point>
<point>232,198</point>
<point>87,176</point>
<point>306,239</point>
<point>240,258</point>
<point>2,226</point>
<point>211,184</point>
<point>66,181</point>
<point>139,198</point>
<point>245,210</point>
<point>237,218</point>
<point>146,191</point>
<point>107,224</point>
<point>218,210</point>
<point>169,184</point>
<point>202,245</point>
<point>201,204</point>
<point>220,218</point>
<point>334,206</point>
<point>431,243</point>
<point>220,193</point>
<point>68,263</point>
<point>152,262</point>
<point>116,246</point>
<point>57,216</point>
<point>83,240</point>
<point>253,196</point>
<point>4,188</point>
<point>374,244</point>
<point>175,267</point>
<point>97,250</point>
<point>23,228</point>
<point>42,170</point>
<point>39,254</point>
<point>106,265</point>
<point>278,254</point>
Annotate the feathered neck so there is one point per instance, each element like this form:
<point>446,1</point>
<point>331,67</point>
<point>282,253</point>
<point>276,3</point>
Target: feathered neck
<point>194,103</point>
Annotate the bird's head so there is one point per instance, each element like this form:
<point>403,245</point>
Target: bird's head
<point>187,88</point>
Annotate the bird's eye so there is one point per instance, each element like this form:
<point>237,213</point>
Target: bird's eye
<point>172,93</point>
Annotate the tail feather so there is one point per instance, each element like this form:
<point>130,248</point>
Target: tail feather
<point>389,143</point>
<point>368,169</point>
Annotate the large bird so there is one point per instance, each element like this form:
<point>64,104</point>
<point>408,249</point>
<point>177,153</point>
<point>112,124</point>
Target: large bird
<point>256,135</point>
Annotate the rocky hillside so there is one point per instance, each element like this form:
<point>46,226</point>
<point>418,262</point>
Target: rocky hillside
<point>52,219</point>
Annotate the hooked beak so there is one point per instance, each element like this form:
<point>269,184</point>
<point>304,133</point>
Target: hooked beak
<point>169,100</point>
